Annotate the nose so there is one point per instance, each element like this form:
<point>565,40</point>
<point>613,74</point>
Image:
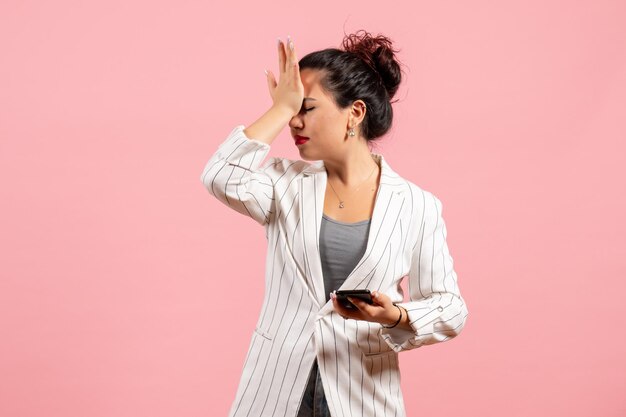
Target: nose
<point>296,122</point>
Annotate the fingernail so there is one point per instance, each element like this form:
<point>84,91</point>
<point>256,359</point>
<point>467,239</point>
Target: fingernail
<point>277,41</point>
<point>265,72</point>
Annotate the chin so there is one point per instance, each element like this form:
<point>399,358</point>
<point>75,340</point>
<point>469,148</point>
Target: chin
<point>307,156</point>
<point>303,155</point>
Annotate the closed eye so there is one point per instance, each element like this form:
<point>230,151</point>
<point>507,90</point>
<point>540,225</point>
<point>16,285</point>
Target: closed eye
<point>309,109</point>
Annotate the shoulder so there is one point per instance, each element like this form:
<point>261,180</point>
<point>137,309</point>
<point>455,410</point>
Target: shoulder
<point>280,168</point>
<point>418,193</point>
<point>424,201</point>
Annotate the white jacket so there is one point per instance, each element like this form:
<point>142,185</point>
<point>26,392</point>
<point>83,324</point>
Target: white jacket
<point>358,360</point>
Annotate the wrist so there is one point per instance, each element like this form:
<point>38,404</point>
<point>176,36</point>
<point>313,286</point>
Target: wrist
<point>396,317</point>
<point>282,111</point>
<point>267,127</point>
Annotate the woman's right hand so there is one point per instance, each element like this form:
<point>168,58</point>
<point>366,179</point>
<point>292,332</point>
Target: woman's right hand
<point>288,92</point>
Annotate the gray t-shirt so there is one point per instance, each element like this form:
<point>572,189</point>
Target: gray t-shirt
<point>342,246</point>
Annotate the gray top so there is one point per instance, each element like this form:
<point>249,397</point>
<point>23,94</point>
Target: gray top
<point>342,246</point>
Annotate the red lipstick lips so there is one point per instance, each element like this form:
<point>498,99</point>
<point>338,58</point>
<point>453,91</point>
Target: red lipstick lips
<point>300,139</point>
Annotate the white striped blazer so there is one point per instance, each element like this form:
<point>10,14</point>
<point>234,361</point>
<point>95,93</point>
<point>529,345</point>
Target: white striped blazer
<point>358,360</point>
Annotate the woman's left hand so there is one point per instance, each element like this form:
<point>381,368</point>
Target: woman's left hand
<point>382,311</point>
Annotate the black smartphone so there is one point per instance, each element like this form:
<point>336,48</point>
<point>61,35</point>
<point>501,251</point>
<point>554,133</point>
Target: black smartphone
<point>362,294</point>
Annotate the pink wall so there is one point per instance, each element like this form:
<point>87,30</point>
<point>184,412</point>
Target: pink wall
<point>123,291</point>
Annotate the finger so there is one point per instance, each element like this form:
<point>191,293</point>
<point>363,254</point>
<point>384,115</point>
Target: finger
<point>281,56</point>
<point>338,306</point>
<point>378,298</point>
<point>343,311</point>
<point>292,52</point>
<point>381,299</point>
<point>360,304</point>
<point>296,72</point>
<point>271,81</point>
<point>366,309</point>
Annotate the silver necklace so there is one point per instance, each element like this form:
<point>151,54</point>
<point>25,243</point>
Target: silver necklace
<point>341,205</point>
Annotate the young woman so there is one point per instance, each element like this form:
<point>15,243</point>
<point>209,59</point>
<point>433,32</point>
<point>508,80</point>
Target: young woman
<point>344,221</point>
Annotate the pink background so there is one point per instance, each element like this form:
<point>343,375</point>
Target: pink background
<point>127,290</point>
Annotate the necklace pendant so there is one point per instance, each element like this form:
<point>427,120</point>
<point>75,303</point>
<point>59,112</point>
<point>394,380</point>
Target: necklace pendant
<point>341,204</point>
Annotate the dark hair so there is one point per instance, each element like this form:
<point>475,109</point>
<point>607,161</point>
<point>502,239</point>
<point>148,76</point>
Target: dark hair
<point>366,69</point>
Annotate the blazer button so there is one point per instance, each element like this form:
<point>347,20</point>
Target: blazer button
<point>440,308</point>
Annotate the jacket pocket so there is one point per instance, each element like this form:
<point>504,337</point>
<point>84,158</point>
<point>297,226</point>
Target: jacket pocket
<point>379,354</point>
<point>369,342</point>
<point>263,333</point>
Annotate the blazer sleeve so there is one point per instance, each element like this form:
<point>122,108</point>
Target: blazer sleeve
<point>235,176</point>
<point>437,311</point>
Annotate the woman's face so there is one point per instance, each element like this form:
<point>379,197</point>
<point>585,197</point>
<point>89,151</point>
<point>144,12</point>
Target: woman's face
<point>320,120</point>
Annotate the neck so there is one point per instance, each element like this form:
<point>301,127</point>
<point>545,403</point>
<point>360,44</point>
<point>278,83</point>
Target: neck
<point>352,169</point>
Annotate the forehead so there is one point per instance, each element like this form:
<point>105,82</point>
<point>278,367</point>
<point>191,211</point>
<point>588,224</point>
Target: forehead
<point>311,83</point>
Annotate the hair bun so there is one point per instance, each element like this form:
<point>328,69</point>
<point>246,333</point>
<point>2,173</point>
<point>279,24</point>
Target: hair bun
<point>378,54</point>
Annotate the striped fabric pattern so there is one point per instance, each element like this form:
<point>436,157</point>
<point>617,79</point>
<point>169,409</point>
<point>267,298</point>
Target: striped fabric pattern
<point>358,360</point>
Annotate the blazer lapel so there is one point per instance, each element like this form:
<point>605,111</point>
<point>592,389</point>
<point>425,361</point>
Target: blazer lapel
<point>312,189</point>
<point>389,203</point>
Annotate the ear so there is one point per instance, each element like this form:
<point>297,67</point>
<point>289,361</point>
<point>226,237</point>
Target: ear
<point>356,115</point>
<point>357,112</point>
